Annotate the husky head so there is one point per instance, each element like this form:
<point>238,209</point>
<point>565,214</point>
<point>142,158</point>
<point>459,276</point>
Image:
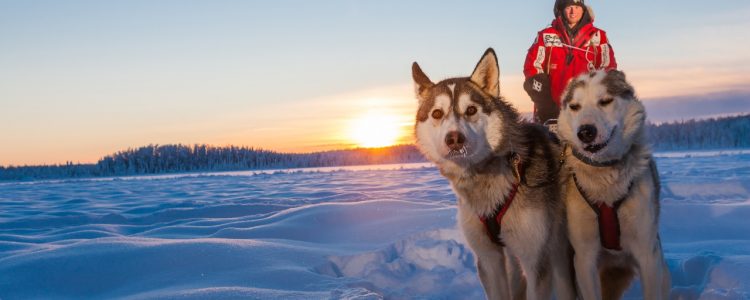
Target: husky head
<point>600,116</point>
<point>461,121</point>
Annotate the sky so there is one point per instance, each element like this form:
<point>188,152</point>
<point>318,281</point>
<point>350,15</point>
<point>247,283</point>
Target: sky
<point>83,79</point>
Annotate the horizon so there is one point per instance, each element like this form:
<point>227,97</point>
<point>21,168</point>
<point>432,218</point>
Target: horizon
<point>256,148</point>
<point>80,80</point>
<point>211,146</point>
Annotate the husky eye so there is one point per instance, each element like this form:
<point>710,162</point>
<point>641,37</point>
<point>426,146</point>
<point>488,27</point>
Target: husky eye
<point>437,114</point>
<point>574,107</point>
<point>605,101</point>
<point>471,111</point>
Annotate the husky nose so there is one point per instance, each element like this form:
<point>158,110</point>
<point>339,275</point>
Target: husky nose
<point>455,140</point>
<point>587,133</point>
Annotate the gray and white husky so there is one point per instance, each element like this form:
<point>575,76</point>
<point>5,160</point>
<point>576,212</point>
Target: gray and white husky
<point>505,174</point>
<point>611,189</point>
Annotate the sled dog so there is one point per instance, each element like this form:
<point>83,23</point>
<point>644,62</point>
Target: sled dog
<point>505,176</point>
<point>610,188</point>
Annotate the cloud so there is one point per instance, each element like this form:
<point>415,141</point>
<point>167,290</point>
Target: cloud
<point>698,106</point>
<point>663,82</point>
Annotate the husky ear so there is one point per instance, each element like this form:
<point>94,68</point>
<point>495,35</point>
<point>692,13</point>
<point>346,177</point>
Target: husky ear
<point>487,73</point>
<point>421,81</point>
<point>617,85</point>
<point>635,120</point>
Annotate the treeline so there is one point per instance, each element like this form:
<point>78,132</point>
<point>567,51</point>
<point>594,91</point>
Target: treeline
<point>721,133</point>
<point>714,133</point>
<point>162,159</point>
<point>155,159</point>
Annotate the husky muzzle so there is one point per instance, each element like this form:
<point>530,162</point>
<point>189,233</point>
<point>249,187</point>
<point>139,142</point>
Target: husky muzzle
<point>456,143</point>
<point>455,140</point>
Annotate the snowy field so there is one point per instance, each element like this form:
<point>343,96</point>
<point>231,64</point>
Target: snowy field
<point>350,233</point>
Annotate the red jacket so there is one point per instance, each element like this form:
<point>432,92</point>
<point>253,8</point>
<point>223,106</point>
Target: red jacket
<point>590,50</point>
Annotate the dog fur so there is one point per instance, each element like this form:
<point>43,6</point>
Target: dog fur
<point>482,172</point>
<point>602,122</point>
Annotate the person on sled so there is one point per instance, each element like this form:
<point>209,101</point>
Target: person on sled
<point>566,49</point>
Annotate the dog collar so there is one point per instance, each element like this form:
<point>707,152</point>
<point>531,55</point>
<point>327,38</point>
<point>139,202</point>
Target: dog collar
<point>493,223</point>
<point>609,223</point>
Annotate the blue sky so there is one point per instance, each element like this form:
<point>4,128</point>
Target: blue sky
<point>82,79</point>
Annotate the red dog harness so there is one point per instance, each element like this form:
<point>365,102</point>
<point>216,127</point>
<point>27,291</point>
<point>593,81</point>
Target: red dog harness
<point>494,222</point>
<point>609,223</point>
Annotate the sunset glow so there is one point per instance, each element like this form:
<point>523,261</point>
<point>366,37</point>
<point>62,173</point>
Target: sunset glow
<point>321,77</point>
<point>375,129</point>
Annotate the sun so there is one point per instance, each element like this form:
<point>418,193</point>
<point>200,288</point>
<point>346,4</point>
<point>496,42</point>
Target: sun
<point>374,129</point>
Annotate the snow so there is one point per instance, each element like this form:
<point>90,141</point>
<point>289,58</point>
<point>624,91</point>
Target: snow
<point>336,233</point>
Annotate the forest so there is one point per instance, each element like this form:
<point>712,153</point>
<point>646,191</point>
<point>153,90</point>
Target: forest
<point>715,133</point>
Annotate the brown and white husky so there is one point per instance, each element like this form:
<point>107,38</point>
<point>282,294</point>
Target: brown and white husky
<point>611,189</point>
<point>505,174</point>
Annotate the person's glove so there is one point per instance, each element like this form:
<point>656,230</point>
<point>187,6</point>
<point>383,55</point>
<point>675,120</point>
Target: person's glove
<point>538,88</point>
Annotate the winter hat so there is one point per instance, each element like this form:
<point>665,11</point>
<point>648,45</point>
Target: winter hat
<point>560,5</point>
